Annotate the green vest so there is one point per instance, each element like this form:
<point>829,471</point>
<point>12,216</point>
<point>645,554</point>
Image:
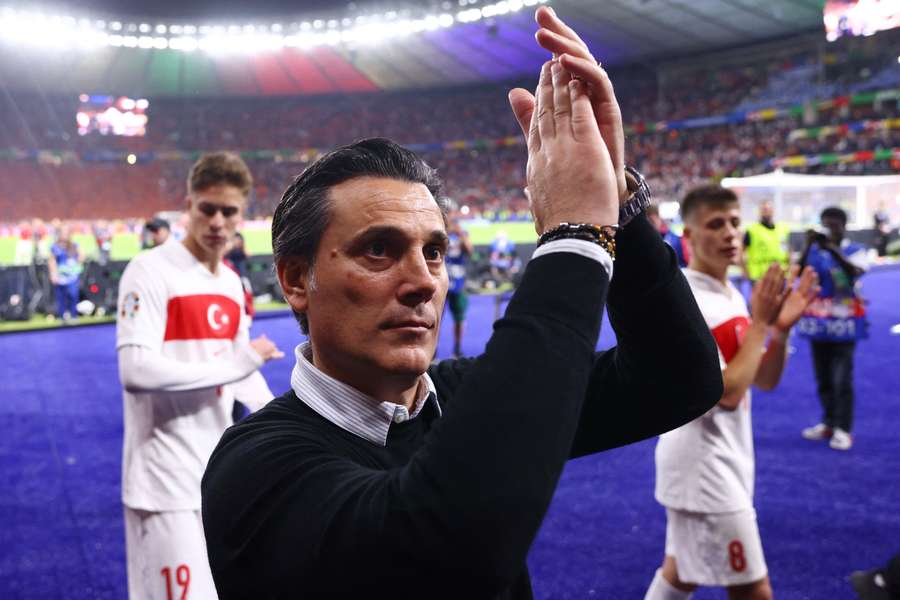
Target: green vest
<point>766,246</point>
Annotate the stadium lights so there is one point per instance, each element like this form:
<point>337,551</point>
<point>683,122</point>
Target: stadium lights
<point>65,32</point>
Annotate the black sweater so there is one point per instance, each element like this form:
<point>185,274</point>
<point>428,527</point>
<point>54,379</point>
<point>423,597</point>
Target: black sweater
<point>296,507</point>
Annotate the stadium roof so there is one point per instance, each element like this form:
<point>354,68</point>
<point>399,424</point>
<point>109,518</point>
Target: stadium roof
<point>494,45</point>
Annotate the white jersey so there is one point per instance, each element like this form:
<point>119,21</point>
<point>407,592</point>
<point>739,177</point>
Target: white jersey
<point>174,307</point>
<point>707,465</point>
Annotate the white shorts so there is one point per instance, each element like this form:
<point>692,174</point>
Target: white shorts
<point>721,549</point>
<point>166,556</point>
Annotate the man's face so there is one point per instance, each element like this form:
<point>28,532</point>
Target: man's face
<point>835,227</point>
<point>214,215</point>
<point>380,283</point>
<point>713,232</point>
<point>766,212</point>
<point>159,236</point>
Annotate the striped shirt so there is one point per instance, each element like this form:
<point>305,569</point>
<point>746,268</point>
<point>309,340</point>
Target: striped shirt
<point>347,407</point>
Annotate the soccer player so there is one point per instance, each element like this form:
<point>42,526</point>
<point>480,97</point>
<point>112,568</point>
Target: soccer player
<point>459,249</point>
<point>182,337</point>
<point>705,469</point>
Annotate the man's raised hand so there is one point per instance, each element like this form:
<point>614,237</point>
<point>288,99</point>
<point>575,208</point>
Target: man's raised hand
<point>570,174</point>
<point>574,55</point>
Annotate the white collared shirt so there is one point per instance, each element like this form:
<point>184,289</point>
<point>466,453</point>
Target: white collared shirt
<point>370,418</point>
<point>347,407</point>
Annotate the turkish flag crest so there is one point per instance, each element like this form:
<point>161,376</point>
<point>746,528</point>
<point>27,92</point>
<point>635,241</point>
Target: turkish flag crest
<point>202,317</point>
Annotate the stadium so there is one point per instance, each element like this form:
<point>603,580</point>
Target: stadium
<point>106,105</point>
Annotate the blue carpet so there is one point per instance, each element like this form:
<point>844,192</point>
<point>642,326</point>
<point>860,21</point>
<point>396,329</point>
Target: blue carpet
<point>822,514</point>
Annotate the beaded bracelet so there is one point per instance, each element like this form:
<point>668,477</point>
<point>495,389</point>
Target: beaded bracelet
<point>602,235</point>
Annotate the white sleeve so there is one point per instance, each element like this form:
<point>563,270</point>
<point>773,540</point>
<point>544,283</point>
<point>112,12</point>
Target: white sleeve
<point>582,247</point>
<point>143,369</point>
<point>142,306</point>
<point>252,391</point>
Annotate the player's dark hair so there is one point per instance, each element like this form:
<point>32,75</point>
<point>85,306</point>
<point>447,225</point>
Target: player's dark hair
<point>833,212</point>
<point>220,168</point>
<point>711,194</point>
<point>304,211</point>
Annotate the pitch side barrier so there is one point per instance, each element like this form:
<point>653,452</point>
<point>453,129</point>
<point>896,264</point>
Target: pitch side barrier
<point>26,292</point>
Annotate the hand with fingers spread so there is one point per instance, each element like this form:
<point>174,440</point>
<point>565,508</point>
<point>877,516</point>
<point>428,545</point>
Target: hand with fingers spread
<point>570,174</point>
<point>797,298</point>
<point>768,296</point>
<point>575,57</point>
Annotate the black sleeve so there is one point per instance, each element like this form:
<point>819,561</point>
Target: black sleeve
<point>664,370</point>
<point>283,517</point>
<point>746,239</point>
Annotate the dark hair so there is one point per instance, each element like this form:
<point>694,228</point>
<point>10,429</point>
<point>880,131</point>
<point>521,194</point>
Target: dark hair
<point>304,211</point>
<point>835,213</point>
<point>155,224</point>
<point>710,194</point>
<point>218,168</point>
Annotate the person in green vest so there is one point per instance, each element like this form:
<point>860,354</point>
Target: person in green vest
<point>765,242</point>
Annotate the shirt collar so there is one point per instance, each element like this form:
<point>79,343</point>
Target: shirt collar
<point>707,281</point>
<point>347,407</point>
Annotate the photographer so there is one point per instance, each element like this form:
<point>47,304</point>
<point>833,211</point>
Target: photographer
<point>834,322</point>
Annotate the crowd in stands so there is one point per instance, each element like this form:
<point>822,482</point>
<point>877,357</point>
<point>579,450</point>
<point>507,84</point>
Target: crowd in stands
<point>483,177</point>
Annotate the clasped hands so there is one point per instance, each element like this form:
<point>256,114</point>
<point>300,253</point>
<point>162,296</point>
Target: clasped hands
<point>573,129</point>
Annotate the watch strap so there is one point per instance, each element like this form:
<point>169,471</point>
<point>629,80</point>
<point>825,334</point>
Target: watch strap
<point>639,199</point>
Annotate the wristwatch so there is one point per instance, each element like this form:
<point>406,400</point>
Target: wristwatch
<point>639,199</point>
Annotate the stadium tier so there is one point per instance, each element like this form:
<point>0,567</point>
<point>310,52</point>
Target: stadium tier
<point>728,113</point>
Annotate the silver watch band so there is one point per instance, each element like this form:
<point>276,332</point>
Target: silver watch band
<point>639,199</point>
